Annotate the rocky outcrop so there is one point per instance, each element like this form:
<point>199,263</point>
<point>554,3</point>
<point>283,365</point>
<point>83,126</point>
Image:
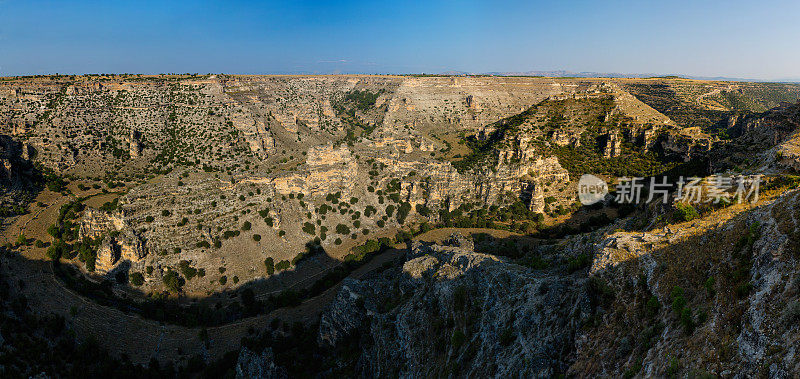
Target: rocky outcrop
<point>612,144</point>
<point>687,144</point>
<point>251,365</point>
<point>346,313</point>
<point>120,243</point>
<point>15,167</point>
<point>115,249</point>
<point>136,145</point>
<point>473,314</point>
<point>329,169</point>
<point>96,223</point>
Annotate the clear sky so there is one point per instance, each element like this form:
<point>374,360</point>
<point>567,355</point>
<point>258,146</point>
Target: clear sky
<point>746,39</point>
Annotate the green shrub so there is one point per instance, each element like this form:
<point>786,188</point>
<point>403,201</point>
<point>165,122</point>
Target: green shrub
<point>246,226</point>
<point>172,281</point>
<point>342,229</point>
<point>282,265</point>
<point>269,263</point>
<point>137,279</point>
<point>685,212</point>
<point>578,263</point>
<point>709,285</point>
<point>791,316</point>
<point>402,212</point>
<point>652,306</point>
<point>187,271</point>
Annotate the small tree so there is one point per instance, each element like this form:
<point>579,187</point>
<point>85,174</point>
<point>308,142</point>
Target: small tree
<point>282,265</point>
<point>137,279</point>
<point>685,212</point>
<point>172,281</point>
<point>269,263</point>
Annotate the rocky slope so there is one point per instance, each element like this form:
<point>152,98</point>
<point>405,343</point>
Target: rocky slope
<point>237,195</point>
<point>660,303</point>
<point>451,311</point>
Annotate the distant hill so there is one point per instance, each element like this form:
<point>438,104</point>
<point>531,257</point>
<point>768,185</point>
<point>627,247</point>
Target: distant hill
<point>591,74</point>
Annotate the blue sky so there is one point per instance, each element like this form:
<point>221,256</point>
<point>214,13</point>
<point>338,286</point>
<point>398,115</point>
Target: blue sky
<point>758,40</point>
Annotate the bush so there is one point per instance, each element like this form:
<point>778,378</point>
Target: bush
<point>309,228</point>
<point>791,316</point>
<point>223,280</point>
<point>282,265</point>
<point>685,212</point>
<point>652,306</point>
<point>172,281</point>
<point>256,237</point>
<point>246,226</point>
<point>342,229</point>
<point>165,213</point>
<point>269,263</point>
<point>137,279</point>
<point>709,285</point>
<point>53,253</point>
<point>402,212</point>
<point>683,312</point>
<point>187,271</point>
<point>578,263</point>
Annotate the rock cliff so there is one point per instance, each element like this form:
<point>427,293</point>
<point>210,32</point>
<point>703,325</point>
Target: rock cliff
<point>451,311</point>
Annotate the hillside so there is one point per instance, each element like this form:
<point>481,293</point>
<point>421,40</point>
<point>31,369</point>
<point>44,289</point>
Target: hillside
<point>306,214</point>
